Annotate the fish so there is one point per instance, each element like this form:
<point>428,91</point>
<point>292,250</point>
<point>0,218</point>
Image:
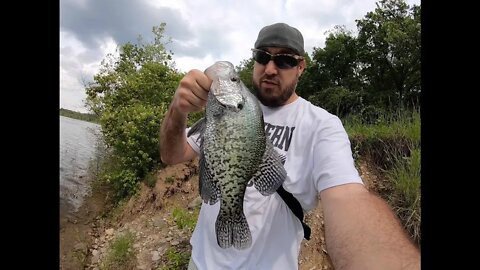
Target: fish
<point>234,150</point>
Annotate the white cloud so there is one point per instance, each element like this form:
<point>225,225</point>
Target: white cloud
<point>202,31</point>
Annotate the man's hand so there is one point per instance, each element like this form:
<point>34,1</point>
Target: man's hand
<point>190,96</point>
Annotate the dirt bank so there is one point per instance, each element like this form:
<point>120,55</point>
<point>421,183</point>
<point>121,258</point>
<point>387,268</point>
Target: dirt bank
<point>152,217</point>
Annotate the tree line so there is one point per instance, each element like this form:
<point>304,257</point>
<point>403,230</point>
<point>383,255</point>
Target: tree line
<point>366,75</point>
<point>89,117</point>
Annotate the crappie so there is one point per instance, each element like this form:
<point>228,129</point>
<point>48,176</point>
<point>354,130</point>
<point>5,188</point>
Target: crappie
<point>234,150</point>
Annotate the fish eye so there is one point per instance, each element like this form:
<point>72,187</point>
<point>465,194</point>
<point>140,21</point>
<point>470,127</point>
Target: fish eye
<point>240,106</point>
<point>234,79</point>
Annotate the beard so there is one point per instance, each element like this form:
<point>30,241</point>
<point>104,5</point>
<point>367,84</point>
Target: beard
<point>274,100</point>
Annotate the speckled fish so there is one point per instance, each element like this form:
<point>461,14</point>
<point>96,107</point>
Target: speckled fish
<point>234,150</point>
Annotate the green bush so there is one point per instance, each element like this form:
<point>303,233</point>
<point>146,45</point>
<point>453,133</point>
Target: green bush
<point>131,94</point>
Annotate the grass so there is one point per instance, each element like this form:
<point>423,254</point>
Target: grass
<point>169,180</point>
<point>151,178</point>
<point>122,254</point>
<point>175,258</point>
<point>184,218</point>
<point>392,143</point>
<point>405,176</point>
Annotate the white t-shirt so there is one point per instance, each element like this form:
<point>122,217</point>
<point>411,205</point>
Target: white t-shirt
<point>318,156</point>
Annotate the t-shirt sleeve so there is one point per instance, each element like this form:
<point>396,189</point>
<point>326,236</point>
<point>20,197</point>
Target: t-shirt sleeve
<point>193,141</point>
<point>332,154</point>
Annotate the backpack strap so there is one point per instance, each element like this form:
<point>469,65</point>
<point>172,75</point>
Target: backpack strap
<point>296,208</point>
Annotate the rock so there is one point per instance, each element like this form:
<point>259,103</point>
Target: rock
<point>109,231</point>
<point>158,222</point>
<point>196,203</point>
<point>155,256</point>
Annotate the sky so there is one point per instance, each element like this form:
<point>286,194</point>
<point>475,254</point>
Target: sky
<point>201,32</point>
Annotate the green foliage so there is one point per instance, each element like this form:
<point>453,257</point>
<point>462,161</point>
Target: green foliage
<point>245,71</point>
<point>337,100</point>
<point>184,219</point>
<point>393,133</point>
<point>194,117</point>
<point>389,50</point>
<point>374,72</point>
<point>122,253</point>
<point>169,180</point>
<point>175,259</point>
<point>337,64</point>
<point>406,177</point>
<point>89,117</point>
<point>151,178</point>
<point>131,94</point>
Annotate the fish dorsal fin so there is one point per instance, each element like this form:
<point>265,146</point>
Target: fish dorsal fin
<point>271,173</point>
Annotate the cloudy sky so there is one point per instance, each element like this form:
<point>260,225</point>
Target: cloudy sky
<point>201,33</point>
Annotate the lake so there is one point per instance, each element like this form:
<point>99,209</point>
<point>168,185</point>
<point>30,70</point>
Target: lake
<point>80,143</point>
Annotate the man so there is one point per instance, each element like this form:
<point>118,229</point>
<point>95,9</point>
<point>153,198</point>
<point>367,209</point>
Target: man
<point>361,230</point>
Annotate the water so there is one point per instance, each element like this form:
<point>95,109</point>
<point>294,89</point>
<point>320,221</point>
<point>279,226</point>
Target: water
<point>79,145</point>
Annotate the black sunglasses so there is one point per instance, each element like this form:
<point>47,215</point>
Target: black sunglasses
<point>282,61</point>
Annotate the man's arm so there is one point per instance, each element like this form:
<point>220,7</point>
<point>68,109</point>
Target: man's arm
<point>190,96</point>
<point>362,232</point>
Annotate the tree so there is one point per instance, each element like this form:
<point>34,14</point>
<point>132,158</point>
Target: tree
<point>389,49</point>
<point>131,94</point>
<point>245,71</point>
<point>334,76</point>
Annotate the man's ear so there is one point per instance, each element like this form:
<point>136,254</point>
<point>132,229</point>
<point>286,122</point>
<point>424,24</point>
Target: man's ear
<point>301,67</point>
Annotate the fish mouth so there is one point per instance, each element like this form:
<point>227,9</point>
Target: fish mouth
<point>235,105</point>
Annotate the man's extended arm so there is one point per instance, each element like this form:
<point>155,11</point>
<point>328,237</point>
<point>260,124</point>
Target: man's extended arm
<point>362,232</point>
<point>190,96</point>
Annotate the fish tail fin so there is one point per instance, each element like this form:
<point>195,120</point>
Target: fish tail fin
<point>233,231</point>
<point>242,238</point>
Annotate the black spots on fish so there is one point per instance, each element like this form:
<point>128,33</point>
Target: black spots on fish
<point>281,136</point>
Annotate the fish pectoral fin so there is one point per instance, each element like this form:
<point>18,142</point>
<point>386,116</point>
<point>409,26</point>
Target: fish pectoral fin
<point>198,127</point>
<point>208,186</point>
<point>271,174</point>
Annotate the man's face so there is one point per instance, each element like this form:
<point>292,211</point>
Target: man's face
<point>274,86</point>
